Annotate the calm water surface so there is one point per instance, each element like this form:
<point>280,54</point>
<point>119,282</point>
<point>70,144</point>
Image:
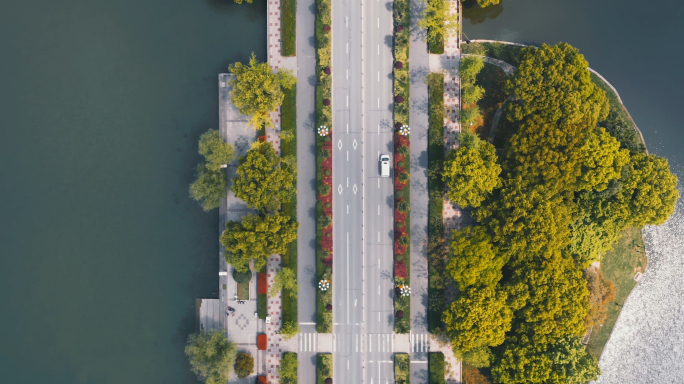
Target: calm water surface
<point>101,251</point>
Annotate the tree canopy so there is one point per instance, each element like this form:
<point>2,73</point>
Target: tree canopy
<point>211,356</point>
<point>215,150</point>
<point>285,279</point>
<point>474,261</point>
<point>244,365</point>
<point>209,188</point>
<point>439,22</point>
<point>553,83</point>
<point>263,181</point>
<point>468,69</point>
<point>257,90</point>
<point>257,237</point>
<point>471,172</point>
<point>288,368</point>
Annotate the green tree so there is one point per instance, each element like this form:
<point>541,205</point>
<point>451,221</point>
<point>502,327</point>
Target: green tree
<point>289,330</point>
<point>257,90</point>
<point>285,279</point>
<point>244,365</point>
<point>602,161</point>
<point>478,357</point>
<point>468,116</point>
<point>262,181</point>
<point>471,93</point>
<point>521,361</point>
<point>571,362</point>
<point>487,3</point>
<point>651,192</point>
<point>288,368</point>
<point>257,237</point>
<point>211,356</point>
<point>468,69</point>
<point>439,22</point>
<point>209,188</point>
<point>477,318</point>
<point>553,83</point>
<point>472,173</point>
<point>474,261</point>
<point>216,151</point>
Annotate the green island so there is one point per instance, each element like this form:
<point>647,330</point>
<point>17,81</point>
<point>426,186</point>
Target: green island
<point>559,199</point>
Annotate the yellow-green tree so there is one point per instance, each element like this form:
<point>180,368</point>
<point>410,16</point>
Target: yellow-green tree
<point>471,172</point>
<point>439,22</point>
<point>215,150</point>
<point>257,237</point>
<point>478,317</point>
<point>602,161</point>
<point>572,364</point>
<point>257,90</point>
<point>262,180</point>
<point>651,192</point>
<point>474,261</point>
<point>469,68</point>
<point>288,368</point>
<point>521,361</point>
<point>553,83</point>
<point>211,356</point>
<point>286,279</point>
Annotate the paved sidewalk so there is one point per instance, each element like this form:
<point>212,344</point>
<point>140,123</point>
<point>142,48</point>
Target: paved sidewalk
<point>274,350</point>
<point>419,69</point>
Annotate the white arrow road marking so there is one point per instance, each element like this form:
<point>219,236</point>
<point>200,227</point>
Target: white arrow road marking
<point>355,189</point>
<point>339,189</point>
<point>355,144</point>
<point>339,144</point>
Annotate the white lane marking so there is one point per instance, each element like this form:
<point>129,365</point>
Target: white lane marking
<point>347,155</point>
<point>392,344</point>
<point>303,323</point>
<point>347,364</point>
<point>311,343</point>
<point>347,209</point>
<point>347,182</point>
<point>378,183</point>
<point>378,75</point>
<point>378,262</point>
<point>347,74</point>
<point>378,236</point>
<point>378,295</point>
<point>370,344</point>
<point>357,342</point>
<point>348,276</point>
<point>347,100</point>
<point>378,49</point>
<point>378,22</point>
<point>378,129</point>
<point>378,210</point>
<point>355,302</point>
<point>346,21</point>
<point>347,128</point>
<point>378,102</point>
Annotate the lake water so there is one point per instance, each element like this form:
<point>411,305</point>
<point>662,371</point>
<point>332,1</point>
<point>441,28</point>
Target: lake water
<point>101,104</point>
<point>102,253</point>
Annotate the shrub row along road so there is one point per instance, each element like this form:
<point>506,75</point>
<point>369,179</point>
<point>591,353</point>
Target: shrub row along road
<point>363,204</point>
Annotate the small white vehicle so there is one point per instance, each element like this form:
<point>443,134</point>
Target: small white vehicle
<point>384,166</point>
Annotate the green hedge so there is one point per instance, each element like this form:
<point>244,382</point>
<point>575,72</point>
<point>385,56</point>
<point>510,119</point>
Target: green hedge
<point>324,367</point>
<point>436,368</point>
<point>402,368</point>
<point>289,149</point>
<point>242,277</point>
<point>288,368</point>
<point>323,117</point>
<point>288,27</point>
<point>436,238</point>
<point>262,305</point>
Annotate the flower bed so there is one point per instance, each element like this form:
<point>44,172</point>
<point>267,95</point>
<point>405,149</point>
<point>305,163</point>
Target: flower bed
<point>402,164</point>
<point>262,342</point>
<point>324,239</point>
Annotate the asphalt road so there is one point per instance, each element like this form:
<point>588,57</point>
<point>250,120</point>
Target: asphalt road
<point>362,205</point>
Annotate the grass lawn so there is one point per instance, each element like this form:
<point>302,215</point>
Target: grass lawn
<point>619,266</point>
<point>289,148</point>
<point>436,368</point>
<point>243,291</point>
<point>504,52</point>
<point>324,367</point>
<point>491,78</point>
<point>288,17</point>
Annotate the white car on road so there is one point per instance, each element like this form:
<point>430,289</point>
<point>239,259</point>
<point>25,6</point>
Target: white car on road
<point>384,165</point>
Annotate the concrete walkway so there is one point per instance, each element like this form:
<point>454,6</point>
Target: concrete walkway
<point>306,191</point>
<point>419,69</point>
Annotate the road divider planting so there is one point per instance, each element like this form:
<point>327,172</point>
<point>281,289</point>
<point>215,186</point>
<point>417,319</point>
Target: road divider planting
<point>324,368</point>
<point>402,168</point>
<point>324,239</point>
